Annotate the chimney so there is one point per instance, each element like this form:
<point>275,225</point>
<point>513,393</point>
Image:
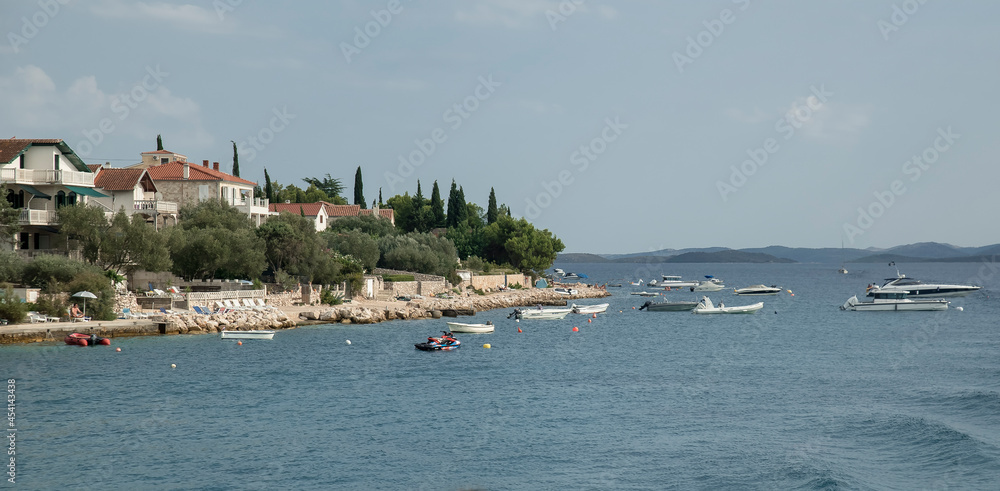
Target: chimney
<point>215,165</point>
<point>204,163</point>
<point>187,171</point>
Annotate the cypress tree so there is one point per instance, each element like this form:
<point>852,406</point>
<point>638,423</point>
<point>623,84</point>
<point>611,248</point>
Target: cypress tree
<point>418,199</point>
<point>302,211</point>
<point>359,190</point>
<point>159,142</point>
<point>380,197</point>
<point>437,206</point>
<point>268,190</point>
<point>463,210</point>
<point>236,161</point>
<point>453,213</point>
<point>491,209</point>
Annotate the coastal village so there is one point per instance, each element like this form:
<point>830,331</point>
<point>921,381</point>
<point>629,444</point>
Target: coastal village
<point>42,176</point>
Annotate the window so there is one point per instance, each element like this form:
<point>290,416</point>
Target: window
<point>60,199</point>
<point>23,243</point>
<point>164,160</point>
<point>71,199</point>
<point>55,162</point>
<point>22,160</point>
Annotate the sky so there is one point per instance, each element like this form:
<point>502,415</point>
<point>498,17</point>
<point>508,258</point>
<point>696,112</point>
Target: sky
<point>619,126</point>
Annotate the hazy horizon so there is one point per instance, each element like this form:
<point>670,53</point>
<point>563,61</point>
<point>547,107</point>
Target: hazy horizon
<point>637,126</point>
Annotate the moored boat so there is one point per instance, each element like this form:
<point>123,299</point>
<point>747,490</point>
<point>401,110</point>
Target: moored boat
<point>705,306</point>
<point>894,301</point>
<point>708,286</point>
<point>644,294</point>
<point>758,290</point>
<point>916,288</point>
<point>590,309</point>
<point>261,334</point>
<point>668,306</point>
<point>471,328</point>
<point>565,291</point>
<point>81,339</point>
<point>542,314</point>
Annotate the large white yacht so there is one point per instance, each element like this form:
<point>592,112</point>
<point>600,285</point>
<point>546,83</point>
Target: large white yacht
<point>916,288</point>
<point>672,281</point>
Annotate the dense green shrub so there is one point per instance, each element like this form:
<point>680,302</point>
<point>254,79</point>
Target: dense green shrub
<point>11,306</point>
<point>48,272</point>
<point>11,267</point>
<point>329,297</point>
<point>356,244</point>
<point>51,305</point>
<point>100,308</point>
<point>398,277</point>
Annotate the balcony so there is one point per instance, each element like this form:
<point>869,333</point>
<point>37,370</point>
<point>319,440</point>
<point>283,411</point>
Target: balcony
<point>46,176</point>
<point>253,206</point>
<point>38,217</point>
<point>159,207</point>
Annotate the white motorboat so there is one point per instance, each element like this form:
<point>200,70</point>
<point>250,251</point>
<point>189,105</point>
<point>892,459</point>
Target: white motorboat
<point>565,291</point>
<point>471,328</point>
<point>559,272</point>
<point>590,309</point>
<point>544,314</point>
<point>705,306</point>
<point>893,301</point>
<point>916,288</point>
<point>636,283</point>
<point>673,281</point>
<point>246,334</point>
<point>758,290</point>
<point>708,286</point>
<point>842,270</point>
<point>644,294</point>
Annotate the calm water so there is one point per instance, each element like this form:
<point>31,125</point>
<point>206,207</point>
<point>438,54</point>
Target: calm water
<point>798,396</point>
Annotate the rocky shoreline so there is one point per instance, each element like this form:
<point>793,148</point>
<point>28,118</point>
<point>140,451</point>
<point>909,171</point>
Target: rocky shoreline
<point>435,308</point>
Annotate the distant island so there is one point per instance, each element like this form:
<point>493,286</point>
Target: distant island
<point>910,253</point>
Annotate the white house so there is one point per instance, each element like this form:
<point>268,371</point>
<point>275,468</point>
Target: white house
<point>41,176</point>
<point>133,191</point>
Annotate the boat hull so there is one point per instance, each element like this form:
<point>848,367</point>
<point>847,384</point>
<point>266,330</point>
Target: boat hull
<point>471,328</point>
<point>917,305</point>
<point>438,346</point>
<point>671,306</point>
<point>543,315</point>
<point>590,309</point>
<point>246,334</point>
<point>927,292</point>
<point>743,309</point>
<point>80,339</point>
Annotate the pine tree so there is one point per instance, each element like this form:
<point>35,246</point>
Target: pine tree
<point>236,161</point>
<point>491,209</point>
<point>418,199</point>
<point>359,190</point>
<point>159,142</point>
<point>437,206</point>
<point>268,189</point>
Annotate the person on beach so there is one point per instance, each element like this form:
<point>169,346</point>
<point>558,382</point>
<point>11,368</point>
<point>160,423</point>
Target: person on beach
<point>75,312</point>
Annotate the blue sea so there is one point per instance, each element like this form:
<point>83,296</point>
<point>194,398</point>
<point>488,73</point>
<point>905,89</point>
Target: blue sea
<point>800,395</point>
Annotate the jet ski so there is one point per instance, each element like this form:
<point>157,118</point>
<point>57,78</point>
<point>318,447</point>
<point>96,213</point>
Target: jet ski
<point>445,342</point>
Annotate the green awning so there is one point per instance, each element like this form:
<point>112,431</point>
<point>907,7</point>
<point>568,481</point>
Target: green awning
<point>87,191</point>
<point>34,191</point>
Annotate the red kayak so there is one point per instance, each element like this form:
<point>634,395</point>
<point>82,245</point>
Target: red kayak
<point>81,339</point>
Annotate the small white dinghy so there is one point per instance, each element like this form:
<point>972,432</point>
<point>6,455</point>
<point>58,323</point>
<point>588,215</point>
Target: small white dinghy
<point>705,306</point>
<point>471,328</point>
<point>246,334</point>
<point>590,309</point>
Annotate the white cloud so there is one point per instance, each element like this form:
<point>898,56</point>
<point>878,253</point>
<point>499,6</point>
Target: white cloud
<point>33,106</point>
<point>165,15</point>
<point>829,121</point>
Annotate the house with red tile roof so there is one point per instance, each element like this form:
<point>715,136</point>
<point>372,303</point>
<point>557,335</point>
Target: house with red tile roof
<point>41,175</point>
<point>133,191</point>
<point>313,211</point>
<point>185,183</point>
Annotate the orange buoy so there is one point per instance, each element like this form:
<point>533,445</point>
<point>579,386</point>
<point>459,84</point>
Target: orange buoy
<point>118,349</point>
<point>519,329</point>
<point>595,316</point>
<point>575,329</point>
<point>239,343</point>
<point>590,320</point>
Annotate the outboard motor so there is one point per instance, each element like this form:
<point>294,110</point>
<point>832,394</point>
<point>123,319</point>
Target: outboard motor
<point>93,340</point>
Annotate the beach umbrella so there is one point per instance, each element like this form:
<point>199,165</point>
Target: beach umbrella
<point>85,295</point>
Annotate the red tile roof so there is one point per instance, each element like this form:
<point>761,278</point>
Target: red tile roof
<point>174,171</point>
<point>382,212</point>
<point>341,210</point>
<point>118,179</point>
<point>95,167</point>
<point>10,149</point>
<point>157,151</point>
<point>310,209</point>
